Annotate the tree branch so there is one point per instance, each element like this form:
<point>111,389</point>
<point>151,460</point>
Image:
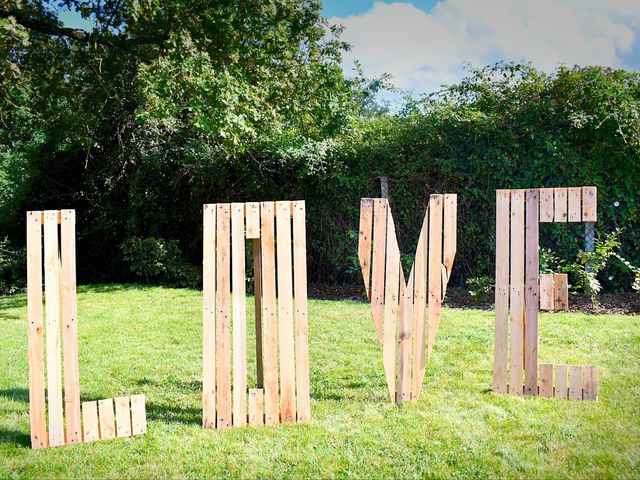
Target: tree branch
<point>76,34</point>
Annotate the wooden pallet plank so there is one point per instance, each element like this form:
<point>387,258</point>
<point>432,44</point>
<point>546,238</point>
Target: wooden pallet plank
<point>380,211</point>
<point>590,387</point>
<point>285,313</point>
<point>500,353</point>
<point>391,303</point>
<point>253,220</point>
<point>35,331</point>
<point>300,305</point>
<point>209,316</point>
<point>419,310</point>
<point>434,268</point>
<point>138,415</point>
<point>257,292</point>
<point>403,384</point>
<point>70,326</point>
<point>561,291</point>
<point>589,204</point>
<point>364,242</point>
<point>560,381</point>
<point>547,299</point>
<point>574,213</point>
<point>106,419</point>
<point>123,417</point>
<point>223,316</point>
<point>52,308</point>
<point>256,406</point>
<point>575,382</point>
<point>516,303</point>
<point>546,380</point>
<point>449,243</point>
<point>269,319</point>
<point>546,205</point>
<point>532,301</point>
<point>90,429</point>
<point>239,313</point>
<point>559,204</point>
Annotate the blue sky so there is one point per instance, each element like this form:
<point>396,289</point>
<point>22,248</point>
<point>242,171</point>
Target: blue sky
<point>424,44</point>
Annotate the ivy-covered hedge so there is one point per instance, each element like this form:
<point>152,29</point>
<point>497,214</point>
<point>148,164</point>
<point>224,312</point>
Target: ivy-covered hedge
<point>505,126</point>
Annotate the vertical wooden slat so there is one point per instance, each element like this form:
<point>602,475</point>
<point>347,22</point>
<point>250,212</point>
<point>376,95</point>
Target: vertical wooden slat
<point>223,314</point>
<point>419,309</point>
<point>70,327</point>
<point>546,204</point>
<point>546,380</point>
<point>364,242</point>
<point>380,209</point>
<point>532,271</point>
<point>449,244</point>
<point>501,292</point>
<point>209,316</point>
<point>269,321</point>
<point>546,291</point>
<point>391,300</point>
<point>590,390</point>
<point>256,406</point>
<point>90,428</point>
<point>517,292</point>
<point>574,208</point>
<point>403,388</point>
<point>300,305</point>
<point>253,220</point>
<point>107,420</point>
<point>37,407</point>
<point>559,204</point>
<point>123,417</point>
<point>257,290</point>
<point>138,415</point>
<point>435,269</point>
<point>285,312</point>
<point>575,382</point>
<point>52,302</point>
<point>589,204</point>
<point>239,314</point>
<point>561,291</point>
<point>560,379</point>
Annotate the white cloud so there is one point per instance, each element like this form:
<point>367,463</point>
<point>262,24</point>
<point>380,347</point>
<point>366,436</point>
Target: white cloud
<point>425,50</point>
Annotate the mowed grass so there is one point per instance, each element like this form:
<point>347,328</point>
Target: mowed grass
<point>148,340</point>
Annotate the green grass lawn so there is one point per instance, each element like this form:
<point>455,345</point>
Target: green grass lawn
<point>148,340</point>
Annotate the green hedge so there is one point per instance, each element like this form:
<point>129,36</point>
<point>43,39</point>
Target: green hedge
<point>505,126</point>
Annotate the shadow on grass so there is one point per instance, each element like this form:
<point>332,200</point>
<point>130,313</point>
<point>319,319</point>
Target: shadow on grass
<point>173,413</point>
<point>16,437</point>
<point>15,394</point>
<point>10,302</point>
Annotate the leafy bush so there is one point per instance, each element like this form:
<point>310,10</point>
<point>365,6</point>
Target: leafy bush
<point>12,268</point>
<point>591,264</point>
<point>155,260</point>
<point>480,288</point>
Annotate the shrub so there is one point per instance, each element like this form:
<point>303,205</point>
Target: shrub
<point>159,261</point>
<point>12,268</point>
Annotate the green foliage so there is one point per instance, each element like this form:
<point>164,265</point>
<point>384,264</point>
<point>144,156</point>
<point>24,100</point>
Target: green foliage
<point>154,260</point>
<point>589,265</point>
<point>549,262</point>
<point>164,106</point>
<point>12,268</point>
<point>480,288</point>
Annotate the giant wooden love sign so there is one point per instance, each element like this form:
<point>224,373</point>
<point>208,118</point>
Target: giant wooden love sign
<point>61,312</point>
<point>518,288</point>
<point>398,305</point>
